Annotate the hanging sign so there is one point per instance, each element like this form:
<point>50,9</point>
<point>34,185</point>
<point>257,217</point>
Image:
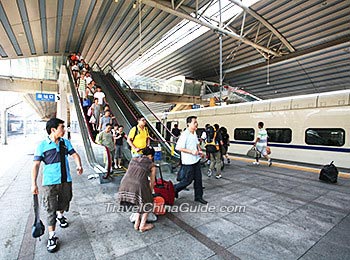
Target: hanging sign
<point>47,97</point>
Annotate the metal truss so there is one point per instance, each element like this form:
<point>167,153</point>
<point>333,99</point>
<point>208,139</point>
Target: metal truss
<point>261,35</point>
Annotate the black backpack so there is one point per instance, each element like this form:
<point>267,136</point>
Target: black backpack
<point>329,173</point>
<point>210,131</point>
<point>137,132</point>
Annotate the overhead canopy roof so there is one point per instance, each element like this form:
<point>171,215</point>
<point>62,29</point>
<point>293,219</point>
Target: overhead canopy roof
<point>271,49</point>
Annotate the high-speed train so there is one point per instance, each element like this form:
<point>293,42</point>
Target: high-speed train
<point>313,129</point>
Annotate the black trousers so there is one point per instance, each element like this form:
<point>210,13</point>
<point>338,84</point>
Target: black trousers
<point>191,172</point>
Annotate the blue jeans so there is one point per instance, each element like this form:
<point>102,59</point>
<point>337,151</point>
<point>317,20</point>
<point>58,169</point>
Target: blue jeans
<point>191,172</point>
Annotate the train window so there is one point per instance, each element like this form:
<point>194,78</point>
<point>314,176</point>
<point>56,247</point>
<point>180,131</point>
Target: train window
<point>279,135</point>
<point>244,134</point>
<point>325,136</point>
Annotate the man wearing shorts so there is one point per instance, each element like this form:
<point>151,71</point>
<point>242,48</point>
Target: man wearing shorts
<point>57,181</point>
<point>261,144</point>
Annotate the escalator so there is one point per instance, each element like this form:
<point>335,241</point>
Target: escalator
<point>126,112</point>
<point>97,155</point>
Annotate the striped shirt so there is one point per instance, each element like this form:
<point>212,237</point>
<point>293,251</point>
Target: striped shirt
<point>49,153</point>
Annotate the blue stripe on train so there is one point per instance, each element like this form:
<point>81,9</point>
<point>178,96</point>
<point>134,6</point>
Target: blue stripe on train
<point>306,147</point>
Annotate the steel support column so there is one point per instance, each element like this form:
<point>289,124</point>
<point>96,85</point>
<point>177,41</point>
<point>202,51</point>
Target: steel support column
<point>220,43</point>
<point>4,126</point>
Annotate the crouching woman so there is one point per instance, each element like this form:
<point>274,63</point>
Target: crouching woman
<point>136,188</point>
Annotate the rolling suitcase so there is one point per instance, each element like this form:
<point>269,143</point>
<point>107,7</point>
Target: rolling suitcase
<point>165,189</point>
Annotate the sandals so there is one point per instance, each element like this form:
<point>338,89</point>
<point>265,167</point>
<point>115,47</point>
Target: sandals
<point>146,227</point>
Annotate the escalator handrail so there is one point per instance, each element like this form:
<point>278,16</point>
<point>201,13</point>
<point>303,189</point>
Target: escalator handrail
<point>98,66</point>
<point>123,100</point>
<point>140,99</point>
<point>122,97</point>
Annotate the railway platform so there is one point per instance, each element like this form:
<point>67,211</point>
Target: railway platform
<point>258,212</point>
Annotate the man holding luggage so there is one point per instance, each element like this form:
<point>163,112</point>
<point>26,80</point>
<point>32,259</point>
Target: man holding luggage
<point>191,154</point>
<point>261,144</point>
<point>57,181</point>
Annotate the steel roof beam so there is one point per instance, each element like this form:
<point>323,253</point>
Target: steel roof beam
<point>59,25</point>
<point>168,9</point>
<point>291,56</point>
<point>265,23</point>
<point>43,23</point>
<point>179,4</point>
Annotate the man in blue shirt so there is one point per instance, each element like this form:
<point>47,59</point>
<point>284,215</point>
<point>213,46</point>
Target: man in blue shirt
<point>57,181</point>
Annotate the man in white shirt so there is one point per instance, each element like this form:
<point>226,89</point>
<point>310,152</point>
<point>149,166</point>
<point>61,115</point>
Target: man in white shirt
<point>88,78</point>
<point>261,144</point>
<point>191,153</point>
<point>101,97</point>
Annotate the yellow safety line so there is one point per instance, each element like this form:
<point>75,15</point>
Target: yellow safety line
<point>289,166</point>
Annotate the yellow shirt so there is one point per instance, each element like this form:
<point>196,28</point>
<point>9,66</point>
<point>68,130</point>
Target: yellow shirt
<point>140,140</point>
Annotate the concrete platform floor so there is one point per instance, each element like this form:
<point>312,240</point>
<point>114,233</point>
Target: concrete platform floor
<point>288,214</point>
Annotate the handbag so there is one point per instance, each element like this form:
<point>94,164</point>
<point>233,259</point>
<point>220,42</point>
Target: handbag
<point>92,120</point>
<point>86,102</point>
<point>89,112</point>
<point>38,228</point>
<point>253,153</point>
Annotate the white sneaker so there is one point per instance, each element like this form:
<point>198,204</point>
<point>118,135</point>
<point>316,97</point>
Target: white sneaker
<point>52,244</point>
<point>209,172</point>
<point>218,176</point>
<point>256,163</point>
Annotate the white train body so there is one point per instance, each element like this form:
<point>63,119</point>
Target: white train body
<point>299,114</point>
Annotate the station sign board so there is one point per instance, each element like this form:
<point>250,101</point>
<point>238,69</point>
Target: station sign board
<point>47,97</point>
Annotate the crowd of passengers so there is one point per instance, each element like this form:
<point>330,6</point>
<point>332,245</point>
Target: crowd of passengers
<point>103,124</point>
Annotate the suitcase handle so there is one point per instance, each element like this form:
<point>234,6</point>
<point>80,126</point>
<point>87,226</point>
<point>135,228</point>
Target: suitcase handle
<point>160,172</point>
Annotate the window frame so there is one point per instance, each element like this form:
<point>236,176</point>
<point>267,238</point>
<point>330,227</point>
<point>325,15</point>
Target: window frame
<point>241,128</point>
<point>283,128</point>
<point>330,129</point>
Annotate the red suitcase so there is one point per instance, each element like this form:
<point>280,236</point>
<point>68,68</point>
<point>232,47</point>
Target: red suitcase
<point>165,189</point>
